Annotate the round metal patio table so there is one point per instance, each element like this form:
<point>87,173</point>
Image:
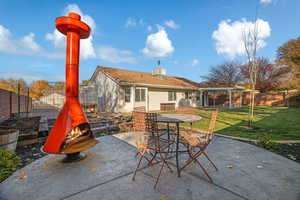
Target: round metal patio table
<point>177,119</point>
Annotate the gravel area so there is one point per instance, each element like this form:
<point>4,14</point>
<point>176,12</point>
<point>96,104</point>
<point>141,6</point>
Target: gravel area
<point>30,153</point>
<point>290,151</point>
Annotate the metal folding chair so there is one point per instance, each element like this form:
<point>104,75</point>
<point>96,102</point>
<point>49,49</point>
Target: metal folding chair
<point>150,146</point>
<point>197,141</point>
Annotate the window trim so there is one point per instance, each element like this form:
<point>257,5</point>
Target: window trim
<point>128,89</point>
<point>173,96</point>
<point>188,95</point>
<point>141,98</point>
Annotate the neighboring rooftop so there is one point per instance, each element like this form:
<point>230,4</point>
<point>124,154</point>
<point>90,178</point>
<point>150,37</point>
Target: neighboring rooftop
<point>129,76</point>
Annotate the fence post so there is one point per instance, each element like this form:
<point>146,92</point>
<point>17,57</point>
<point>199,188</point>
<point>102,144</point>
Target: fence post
<point>10,104</point>
<point>27,103</point>
<point>18,100</point>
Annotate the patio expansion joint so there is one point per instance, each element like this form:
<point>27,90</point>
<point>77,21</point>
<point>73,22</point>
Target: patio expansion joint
<point>131,172</point>
<point>97,185</point>
<point>218,186</point>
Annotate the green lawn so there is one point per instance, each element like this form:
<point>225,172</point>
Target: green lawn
<point>279,123</point>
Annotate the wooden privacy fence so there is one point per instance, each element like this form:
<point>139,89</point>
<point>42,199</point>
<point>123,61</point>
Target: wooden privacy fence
<point>13,103</point>
<point>261,99</point>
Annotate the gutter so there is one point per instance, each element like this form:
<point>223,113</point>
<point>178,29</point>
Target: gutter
<point>225,88</point>
<point>155,85</point>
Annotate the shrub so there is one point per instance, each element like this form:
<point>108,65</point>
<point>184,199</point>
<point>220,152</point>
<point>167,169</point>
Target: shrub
<point>8,163</point>
<point>265,141</point>
<point>127,118</point>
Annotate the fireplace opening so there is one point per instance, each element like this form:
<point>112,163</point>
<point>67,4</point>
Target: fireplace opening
<point>78,139</point>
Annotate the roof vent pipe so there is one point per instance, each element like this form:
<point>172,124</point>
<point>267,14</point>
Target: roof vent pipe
<point>159,72</point>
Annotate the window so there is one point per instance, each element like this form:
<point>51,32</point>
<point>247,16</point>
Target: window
<point>188,95</point>
<point>171,96</point>
<point>140,94</point>
<point>127,94</point>
<point>198,96</point>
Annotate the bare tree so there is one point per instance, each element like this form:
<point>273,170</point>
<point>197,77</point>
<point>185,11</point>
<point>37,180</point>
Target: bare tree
<point>250,41</point>
<point>225,74</point>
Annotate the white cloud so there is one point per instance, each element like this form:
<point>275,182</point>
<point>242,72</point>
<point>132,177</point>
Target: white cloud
<point>195,62</point>
<point>265,1</point>
<point>23,46</point>
<point>141,22</point>
<point>171,24</point>
<point>57,38</point>
<point>158,44</point>
<point>28,46</point>
<point>86,45</point>
<point>87,48</point>
<point>149,28</point>
<point>114,55</point>
<point>229,36</point>
<point>130,22</point>
<point>86,18</point>
<point>134,22</point>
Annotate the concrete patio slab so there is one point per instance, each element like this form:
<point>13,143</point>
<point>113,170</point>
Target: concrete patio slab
<point>107,172</point>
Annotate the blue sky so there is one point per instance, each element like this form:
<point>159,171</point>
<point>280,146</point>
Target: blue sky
<point>187,36</point>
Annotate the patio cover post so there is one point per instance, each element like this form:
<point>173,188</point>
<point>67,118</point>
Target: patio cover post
<point>230,105</point>
<point>133,97</point>
<point>201,98</point>
<point>206,100</point>
<point>241,99</point>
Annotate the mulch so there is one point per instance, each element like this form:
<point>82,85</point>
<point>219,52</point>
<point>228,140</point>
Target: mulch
<point>290,151</point>
<point>30,153</point>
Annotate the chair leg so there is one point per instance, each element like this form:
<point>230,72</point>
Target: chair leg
<point>137,153</point>
<point>210,161</point>
<point>153,158</point>
<point>190,151</point>
<point>164,160</point>
<point>133,178</point>
<point>204,170</point>
<point>162,166</point>
<point>191,159</point>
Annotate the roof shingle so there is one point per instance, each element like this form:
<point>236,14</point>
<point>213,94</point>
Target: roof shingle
<point>129,76</point>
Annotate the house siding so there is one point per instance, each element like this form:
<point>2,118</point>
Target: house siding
<point>56,100</point>
<point>158,96</point>
<point>108,93</point>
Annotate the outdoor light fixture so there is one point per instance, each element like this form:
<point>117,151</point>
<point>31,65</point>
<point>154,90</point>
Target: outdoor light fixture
<point>71,132</point>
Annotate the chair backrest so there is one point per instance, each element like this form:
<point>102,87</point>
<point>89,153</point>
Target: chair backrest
<point>139,121</point>
<point>151,123</point>
<point>212,123</point>
<point>152,128</point>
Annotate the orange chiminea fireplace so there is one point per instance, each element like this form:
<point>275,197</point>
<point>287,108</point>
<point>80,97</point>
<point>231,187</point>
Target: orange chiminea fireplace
<point>71,132</point>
